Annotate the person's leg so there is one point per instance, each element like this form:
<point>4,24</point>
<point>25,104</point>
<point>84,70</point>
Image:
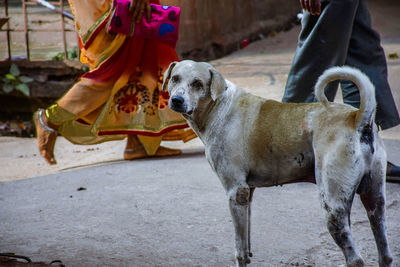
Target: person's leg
<point>323,43</point>
<point>81,100</point>
<point>366,54</point>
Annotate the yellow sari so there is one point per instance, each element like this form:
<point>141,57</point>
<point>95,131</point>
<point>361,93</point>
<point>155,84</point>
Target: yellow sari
<point>122,93</point>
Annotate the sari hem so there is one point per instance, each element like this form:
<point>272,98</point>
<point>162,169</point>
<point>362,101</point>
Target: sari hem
<point>145,133</point>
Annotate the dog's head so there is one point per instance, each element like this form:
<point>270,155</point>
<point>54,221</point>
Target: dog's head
<point>192,86</point>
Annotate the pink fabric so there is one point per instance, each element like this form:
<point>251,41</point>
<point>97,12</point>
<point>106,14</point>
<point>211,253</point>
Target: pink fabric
<point>121,21</point>
<point>162,27</point>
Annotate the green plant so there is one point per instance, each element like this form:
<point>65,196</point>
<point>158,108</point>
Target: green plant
<point>14,80</point>
<point>393,56</point>
<point>71,54</point>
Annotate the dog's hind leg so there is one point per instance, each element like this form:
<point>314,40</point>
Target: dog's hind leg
<point>374,203</point>
<point>239,204</point>
<point>337,195</point>
<point>373,199</point>
<point>338,223</point>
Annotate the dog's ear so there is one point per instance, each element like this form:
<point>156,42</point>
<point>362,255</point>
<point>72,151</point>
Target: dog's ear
<point>167,75</point>
<point>216,84</point>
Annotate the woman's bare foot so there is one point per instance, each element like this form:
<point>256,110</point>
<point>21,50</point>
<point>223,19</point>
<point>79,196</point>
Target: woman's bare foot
<point>135,150</point>
<point>140,152</point>
<point>46,137</point>
<point>135,153</point>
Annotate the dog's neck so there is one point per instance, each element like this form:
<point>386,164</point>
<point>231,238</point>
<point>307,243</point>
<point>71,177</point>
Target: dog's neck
<point>199,121</point>
<point>204,120</point>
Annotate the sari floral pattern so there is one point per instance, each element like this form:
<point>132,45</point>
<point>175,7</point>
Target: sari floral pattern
<point>163,96</point>
<point>135,97</point>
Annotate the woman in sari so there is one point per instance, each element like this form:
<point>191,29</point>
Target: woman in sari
<point>121,95</point>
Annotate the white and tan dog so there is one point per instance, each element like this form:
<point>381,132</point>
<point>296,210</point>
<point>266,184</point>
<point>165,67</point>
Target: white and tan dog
<point>253,142</point>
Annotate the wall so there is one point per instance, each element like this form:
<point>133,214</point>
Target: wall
<point>214,28</point>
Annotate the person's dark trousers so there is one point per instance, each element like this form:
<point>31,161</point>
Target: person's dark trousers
<point>341,35</point>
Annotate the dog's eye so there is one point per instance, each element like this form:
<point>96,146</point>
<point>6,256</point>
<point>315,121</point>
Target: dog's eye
<point>175,79</point>
<point>196,84</point>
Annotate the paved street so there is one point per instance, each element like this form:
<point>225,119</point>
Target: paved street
<point>170,212</point>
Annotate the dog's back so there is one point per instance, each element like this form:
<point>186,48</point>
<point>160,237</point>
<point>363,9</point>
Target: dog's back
<point>278,144</point>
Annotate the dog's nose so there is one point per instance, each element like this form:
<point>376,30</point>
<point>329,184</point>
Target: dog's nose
<point>177,100</point>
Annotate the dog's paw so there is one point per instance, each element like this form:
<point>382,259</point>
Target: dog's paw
<point>242,261</point>
<point>356,263</point>
<point>387,261</point>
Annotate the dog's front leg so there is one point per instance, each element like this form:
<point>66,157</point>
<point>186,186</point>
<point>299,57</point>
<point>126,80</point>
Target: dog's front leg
<point>249,220</point>
<point>239,204</point>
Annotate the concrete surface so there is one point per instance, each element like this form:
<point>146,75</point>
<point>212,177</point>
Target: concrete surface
<point>173,211</point>
<point>170,212</point>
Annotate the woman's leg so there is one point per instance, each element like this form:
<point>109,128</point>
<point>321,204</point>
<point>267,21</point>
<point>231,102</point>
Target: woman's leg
<point>80,101</point>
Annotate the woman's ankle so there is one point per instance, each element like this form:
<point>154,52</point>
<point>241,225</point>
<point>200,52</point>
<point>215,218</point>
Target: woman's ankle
<point>132,142</point>
<point>46,121</point>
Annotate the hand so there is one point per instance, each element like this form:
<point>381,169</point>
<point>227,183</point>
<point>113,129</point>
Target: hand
<point>138,7</point>
<point>312,6</point>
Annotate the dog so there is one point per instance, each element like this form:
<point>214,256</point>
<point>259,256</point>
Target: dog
<point>254,142</point>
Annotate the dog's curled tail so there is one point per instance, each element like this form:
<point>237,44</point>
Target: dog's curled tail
<point>366,113</point>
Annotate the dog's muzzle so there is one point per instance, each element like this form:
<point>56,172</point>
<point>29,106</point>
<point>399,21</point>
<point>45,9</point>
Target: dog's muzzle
<point>178,104</point>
